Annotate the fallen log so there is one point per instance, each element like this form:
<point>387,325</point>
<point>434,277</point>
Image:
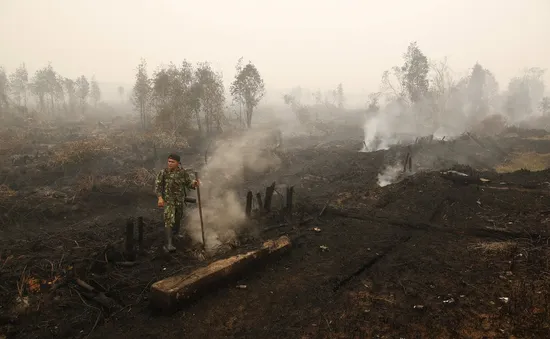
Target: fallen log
<point>96,295</point>
<point>461,178</point>
<point>168,294</point>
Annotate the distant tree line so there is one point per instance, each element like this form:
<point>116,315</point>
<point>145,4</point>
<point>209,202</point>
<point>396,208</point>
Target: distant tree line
<point>50,92</point>
<point>430,92</point>
<point>180,97</point>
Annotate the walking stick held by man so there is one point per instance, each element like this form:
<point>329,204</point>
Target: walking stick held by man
<point>200,208</point>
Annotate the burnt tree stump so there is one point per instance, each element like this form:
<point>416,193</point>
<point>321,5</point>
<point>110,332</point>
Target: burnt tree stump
<point>248,203</point>
<point>140,233</point>
<point>259,200</point>
<point>268,195</point>
<point>129,245</point>
<point>289,194</point>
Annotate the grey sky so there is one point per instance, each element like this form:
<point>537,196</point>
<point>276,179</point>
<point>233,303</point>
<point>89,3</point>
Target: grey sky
<point>316,44</point>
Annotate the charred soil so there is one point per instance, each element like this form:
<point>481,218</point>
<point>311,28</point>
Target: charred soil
<point>431,255</point>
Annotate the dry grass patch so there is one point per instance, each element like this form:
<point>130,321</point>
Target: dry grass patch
<point>530,161</point>
<point>491,125</point>
<point>493,247</point>
<point>13,138</point>
<point>546,137</point>
<point>76,152</point>
<point>158,138</point>
<point>6,193</point>
<point>140,177</point>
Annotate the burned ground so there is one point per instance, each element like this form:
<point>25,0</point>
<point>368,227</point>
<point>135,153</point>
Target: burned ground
<point>429,256</point>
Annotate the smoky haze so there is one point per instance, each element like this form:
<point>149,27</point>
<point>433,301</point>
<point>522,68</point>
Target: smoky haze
<point>402,69</point>
<point>315,44</point>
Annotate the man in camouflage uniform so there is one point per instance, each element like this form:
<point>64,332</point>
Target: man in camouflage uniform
<point>170,186</point>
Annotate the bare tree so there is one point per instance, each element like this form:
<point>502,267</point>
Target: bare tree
<point>95,92</point>
<point>248,87</point>
<point>373,106</point>
<point>4,90</point>
<point>525,93</point>
<point>339,94</point>
<point>170,96</point>
<point>442,87</point>
<point>72,99</point>
<point>302,112</point>
<point>46,84</point>
<point>318,97</point>
<point>212,96</point>
<point>82,91</point>
<point>121,93</point>
<point>392,84</point>
<point>141,92</point>
<point>545,106</point>
<point>19,81</point>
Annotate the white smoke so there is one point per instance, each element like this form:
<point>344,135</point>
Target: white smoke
<point>390,175</point>
<point>223,211</point>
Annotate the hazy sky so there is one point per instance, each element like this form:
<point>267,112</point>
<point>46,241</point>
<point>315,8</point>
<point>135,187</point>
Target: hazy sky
<point>313,43</point>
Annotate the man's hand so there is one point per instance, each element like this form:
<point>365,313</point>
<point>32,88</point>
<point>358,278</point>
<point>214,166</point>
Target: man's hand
<point>160,203</point>
<point>196,183</point>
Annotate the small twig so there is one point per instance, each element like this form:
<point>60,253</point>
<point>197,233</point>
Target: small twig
<point>323,210</point>
<point>144,289</point>
<point>96,322</point>
<point>404,290</point>
<point>126,263</point>
<point>328,324</point>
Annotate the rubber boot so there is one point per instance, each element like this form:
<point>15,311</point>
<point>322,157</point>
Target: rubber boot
<point>168,234</point>
<point>176,231</point>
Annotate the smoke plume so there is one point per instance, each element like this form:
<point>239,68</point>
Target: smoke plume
<point>389,175</point>
<point>223,210</point>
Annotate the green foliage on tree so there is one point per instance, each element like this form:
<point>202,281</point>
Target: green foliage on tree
<point>525,93</point>
<point>482,87</point>
<point>47,87</point>
<point>248,88</point>
<point>212,96</point>
<point>415,73</point>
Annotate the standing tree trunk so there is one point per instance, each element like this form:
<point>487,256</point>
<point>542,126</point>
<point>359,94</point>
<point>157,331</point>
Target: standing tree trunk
<point>198,117</point>
<point>249,110</point>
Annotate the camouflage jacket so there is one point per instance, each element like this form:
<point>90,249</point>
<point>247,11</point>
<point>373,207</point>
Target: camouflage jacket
<point>172,185</point>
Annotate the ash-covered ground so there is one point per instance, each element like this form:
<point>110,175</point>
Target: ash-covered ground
<point>427,254</point>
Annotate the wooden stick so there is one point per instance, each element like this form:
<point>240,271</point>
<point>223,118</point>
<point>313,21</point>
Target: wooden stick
<point>260,204</point>
<point>248,203</point>
<point>200,208</point>
<point>268,195</point>
<point>130,239</point>
<point>140,233</point>
<point>289,193</point>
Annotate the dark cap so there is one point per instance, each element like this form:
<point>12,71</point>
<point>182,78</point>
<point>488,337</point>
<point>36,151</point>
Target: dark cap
<point>174,157</point>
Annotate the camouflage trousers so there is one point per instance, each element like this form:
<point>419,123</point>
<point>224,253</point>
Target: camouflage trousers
<point>173,214</point>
